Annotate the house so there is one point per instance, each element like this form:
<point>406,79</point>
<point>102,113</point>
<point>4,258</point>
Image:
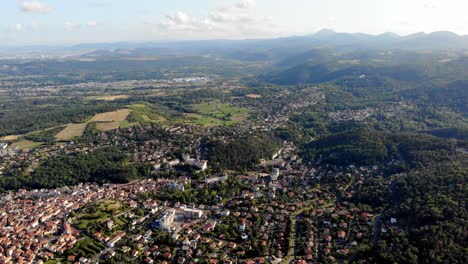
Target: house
<point>242,225</point>
<point>114,240</point>
<point>209,227</point>
<point>341,234</point>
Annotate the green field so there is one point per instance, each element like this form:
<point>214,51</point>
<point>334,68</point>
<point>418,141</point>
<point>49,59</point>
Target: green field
<point>216,113</point>
<point>218,109</point>
<point>143,113</point>
<point>25,144</point>
<point>95,213</point>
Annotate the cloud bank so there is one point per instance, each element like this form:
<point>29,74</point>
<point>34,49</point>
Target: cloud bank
<point>34,6</point>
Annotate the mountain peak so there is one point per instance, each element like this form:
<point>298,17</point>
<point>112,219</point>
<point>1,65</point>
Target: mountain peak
<point>446,34</point>
<point>325,33</point>
<point>389,35</point>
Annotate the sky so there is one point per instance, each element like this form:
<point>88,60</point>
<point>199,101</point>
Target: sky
<point>57,22</point>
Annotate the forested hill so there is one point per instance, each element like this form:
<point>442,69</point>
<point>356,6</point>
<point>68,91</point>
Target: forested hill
<point>370,147</point>
<point>431,202</point>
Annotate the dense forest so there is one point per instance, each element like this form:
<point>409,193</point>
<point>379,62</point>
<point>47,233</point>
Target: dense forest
<point>432,202</point>
<point>369,147</point>
<point>241,152</point>
<point>103,166</point>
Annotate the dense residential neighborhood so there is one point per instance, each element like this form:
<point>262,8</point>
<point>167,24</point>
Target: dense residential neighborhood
<point>276,211</point>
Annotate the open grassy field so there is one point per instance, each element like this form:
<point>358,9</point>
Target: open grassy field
<point>216,113</point>
<point>96,213</point>
<point>202,120</point>
<point>107,126</point>
<point>25,144</point>
<point>218,109</point>
<point>126,124</point>
<point>71,131</point>
<point>116,116</point>
<point>145,114</point>
<point>107,97</point>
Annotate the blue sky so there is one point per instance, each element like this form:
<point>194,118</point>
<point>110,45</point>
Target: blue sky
<point>25,22</point>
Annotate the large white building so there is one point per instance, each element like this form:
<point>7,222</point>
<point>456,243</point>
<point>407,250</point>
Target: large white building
<point>192,213</point>
<point>201,164</point>
<point>165,221</point>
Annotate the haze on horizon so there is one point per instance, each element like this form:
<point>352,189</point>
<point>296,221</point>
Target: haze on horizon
<point>28,22</point>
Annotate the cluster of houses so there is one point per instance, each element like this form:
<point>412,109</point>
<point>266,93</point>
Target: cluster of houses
<point>34,226</point>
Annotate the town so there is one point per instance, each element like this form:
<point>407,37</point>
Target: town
<point>276,213</point>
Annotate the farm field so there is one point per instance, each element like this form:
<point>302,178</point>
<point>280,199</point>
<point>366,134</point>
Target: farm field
<point>9,138</point>
<point>107,126</point>
<point>71,131</point>
<point>116,116</point>
<point>25,144</point>
<point>104,122</point>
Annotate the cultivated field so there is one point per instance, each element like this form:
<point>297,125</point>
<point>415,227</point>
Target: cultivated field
<point>104,122</point>
<point>107,126</point>
<point>116,116</point>
<point>25,144</point>
<point>9,138</point>
<point>71,131</point>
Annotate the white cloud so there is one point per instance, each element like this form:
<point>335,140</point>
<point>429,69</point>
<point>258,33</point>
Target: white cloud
<point>238,19</point>
<point>179,18</point>
<point>18,27</point>
<point>69,26</point>
<point>34,6</point>
<point>92,23</point>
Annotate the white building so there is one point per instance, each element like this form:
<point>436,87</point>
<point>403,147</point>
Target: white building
<point>165,221</point>
<point>201,164</point>
<point>216,179</point>
<point>192,213</point>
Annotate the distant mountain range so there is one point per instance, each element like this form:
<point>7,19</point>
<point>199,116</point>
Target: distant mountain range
<point>284,47</point>
<point>259,50</point>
